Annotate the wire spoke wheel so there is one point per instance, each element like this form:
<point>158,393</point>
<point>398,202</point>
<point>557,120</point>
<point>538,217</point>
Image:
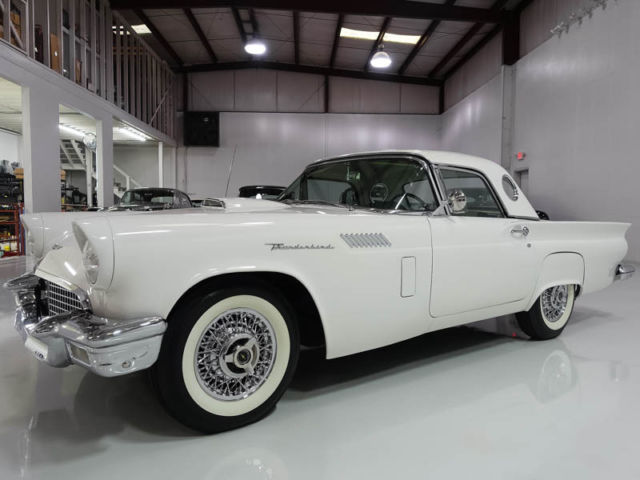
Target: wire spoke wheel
<point>549,314</point>
<point>235,354</point>
<point>554,302</point>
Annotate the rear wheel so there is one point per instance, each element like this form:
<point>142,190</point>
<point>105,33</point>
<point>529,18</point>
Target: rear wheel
<point>549,314</point>
<point>227,358</point>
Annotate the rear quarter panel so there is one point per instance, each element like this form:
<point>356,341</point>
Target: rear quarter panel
<point>601,245</point>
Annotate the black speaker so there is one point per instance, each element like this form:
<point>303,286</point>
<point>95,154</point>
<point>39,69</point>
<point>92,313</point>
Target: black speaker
<point>202,129</point>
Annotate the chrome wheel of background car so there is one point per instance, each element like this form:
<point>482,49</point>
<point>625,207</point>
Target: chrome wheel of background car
<point>549,314</point>
<point>554,302</point>
<point>235,354</point>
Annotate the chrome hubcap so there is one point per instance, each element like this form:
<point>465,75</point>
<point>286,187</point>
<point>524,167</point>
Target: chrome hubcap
<point>235,354</point>
<point>554,302</point>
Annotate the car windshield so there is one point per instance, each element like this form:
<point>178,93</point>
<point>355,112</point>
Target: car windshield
<point>140,197</point>
<point>377,183</point>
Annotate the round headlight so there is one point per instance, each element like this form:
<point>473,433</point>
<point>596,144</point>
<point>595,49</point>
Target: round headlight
<point>96,248</point>
<point>91,263</point>
<point>90,259</point>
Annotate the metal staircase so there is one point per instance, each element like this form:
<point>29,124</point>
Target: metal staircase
<point>73,155</point>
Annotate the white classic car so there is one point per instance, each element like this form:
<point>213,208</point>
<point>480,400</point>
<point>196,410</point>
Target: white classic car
<point>359,252</point>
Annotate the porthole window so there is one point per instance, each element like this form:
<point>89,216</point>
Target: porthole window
<point>510,188</point>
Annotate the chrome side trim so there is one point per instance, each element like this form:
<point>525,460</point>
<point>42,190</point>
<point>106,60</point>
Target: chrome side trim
<point>365,240</point>
<point>624,271</point>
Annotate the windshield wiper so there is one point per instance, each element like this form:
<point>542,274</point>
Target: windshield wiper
<point>290,201</point>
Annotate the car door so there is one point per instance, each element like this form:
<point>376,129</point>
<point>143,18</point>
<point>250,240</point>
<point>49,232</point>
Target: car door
<point>481,258</point>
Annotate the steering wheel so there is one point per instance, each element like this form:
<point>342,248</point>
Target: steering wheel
<point>408,201</point>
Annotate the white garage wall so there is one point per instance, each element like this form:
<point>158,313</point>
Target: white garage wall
<point>9,145</point>
<point>474,125</point>
<point>576,117</point>
<point>254,90</point>
<point>273,148</point>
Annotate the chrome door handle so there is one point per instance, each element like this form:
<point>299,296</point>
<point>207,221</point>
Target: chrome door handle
<point>520,230</point>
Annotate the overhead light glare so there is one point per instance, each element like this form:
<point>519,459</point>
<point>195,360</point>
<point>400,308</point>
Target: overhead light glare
<point>255,46</point>
<point>71,130</point>
<point>141,29</point>
<point>388,37</point>
<point>133,134</point>
<point>380,59</point>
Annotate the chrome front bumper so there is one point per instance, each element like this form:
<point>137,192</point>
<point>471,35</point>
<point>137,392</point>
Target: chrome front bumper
<point>104,346</point>
<point>624,272</point>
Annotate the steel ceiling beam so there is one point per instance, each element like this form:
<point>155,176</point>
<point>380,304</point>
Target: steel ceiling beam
<point>422,42</point>
<point>378,42</point>
<point>496,7</point>
<point>239,24</point>
<point>336,41</point>
<point>296,37</point>
<point>476,48</point>
<point>158,36</point>
<point>203,38</point>
<point>290,67</point>
<point>378,8</point>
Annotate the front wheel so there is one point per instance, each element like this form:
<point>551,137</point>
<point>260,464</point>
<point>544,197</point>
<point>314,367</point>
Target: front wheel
<point>227,358</point>
<point>549,314</point>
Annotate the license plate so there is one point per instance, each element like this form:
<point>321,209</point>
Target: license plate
<point>39,349</point>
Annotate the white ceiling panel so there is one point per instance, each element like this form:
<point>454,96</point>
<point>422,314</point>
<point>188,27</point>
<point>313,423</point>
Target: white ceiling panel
<point>218,24</point>
<point>229,50</point>
<point>191,52</point>
<point>317,32</point>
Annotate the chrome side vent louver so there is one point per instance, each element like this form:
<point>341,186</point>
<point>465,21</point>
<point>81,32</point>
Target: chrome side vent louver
<point>365,240</point>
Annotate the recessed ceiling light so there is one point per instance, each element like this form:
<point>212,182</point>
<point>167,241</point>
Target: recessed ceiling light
<point>133,133</point>
<point>141,29</point>
<point>255,46</point>
<point>71,130</point>
<point>388,37</point>
<point>380,59</point>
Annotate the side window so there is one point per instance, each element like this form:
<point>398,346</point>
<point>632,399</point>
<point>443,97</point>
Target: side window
<point>480,201</point>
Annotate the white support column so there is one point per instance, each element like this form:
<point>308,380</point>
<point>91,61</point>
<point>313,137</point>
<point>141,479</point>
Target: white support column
<point>160,165</point>
<point>88,161</point>
<point>174,165</point>
<point>41,147</point>
<point>104,161</point>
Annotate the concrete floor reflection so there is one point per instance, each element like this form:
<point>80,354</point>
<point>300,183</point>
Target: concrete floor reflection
<point>478,401</point>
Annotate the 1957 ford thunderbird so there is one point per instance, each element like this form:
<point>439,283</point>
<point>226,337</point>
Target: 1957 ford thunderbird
<point>360,251</point>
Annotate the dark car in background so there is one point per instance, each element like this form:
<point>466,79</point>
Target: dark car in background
<point>152,198</point>
<point>266,192</point>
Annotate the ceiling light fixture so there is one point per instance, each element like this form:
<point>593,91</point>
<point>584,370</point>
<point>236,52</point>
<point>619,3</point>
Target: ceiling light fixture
<point>380,59</point>
<point>141,29</point>
<point>388,37</point>
<point>255,46</point>
<point>70,129</point>
<point>133,134</point>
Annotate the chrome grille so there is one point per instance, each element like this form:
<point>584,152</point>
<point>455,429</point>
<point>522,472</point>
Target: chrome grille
<point>365,240</point>
<point>60,300</point>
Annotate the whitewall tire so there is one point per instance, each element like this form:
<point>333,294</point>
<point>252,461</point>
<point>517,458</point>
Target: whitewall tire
<point>549,314</point>
<point>227,357</point>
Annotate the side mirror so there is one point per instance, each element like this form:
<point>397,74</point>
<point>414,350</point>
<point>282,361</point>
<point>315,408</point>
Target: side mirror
<point>457,201</point>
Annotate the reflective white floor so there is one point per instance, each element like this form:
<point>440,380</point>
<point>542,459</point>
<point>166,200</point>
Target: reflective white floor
<point>463,403</point>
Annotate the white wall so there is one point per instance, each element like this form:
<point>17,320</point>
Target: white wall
<point>273,148</point>
<point>9,146</point>
<point>255,90</point>
<point>474,125</point>
<point>576,116</point>
<point>480,69</point>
